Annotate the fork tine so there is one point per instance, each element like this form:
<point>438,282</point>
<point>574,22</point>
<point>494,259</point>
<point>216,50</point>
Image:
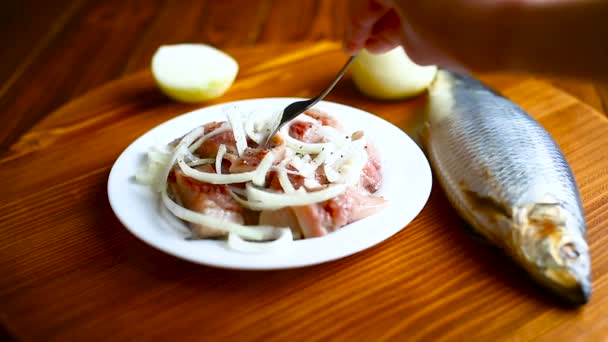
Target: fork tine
<point>299,107</point>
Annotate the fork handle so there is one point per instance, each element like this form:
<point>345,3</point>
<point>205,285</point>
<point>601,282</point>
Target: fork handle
<point>335,81</point>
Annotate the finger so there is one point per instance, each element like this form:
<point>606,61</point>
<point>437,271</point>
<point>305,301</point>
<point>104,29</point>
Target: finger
<point>453,33</point>
<point>362,15</point>
<point>386,33</point>
<point>381,44</point>
<point>389,22</point>
<point>423,52</point>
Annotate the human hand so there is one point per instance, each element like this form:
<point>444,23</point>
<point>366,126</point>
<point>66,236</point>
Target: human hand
<point>556,37</point>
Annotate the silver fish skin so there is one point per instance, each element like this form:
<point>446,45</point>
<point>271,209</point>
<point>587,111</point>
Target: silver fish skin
<point>506,176</point>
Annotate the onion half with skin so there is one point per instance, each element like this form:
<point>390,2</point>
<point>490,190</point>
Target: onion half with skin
<point>391,75</point>
<point>193,73</point>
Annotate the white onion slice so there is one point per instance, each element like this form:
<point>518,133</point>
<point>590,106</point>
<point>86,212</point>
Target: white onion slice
<point>307,158</point>
<point>143,176</point>
<point>221,151</point>
<point>325,153</point>
<point>307,170</point>
<point>202,139</point>
<point>161,184</point>
<point>214,178</point>
<point>238,130</point>
<point>331,174</point>
<point>331,134</point>
<point>259,206</point>
<point>148,174</point>
<point>189,156</point>
<point>284,239</point>
<point>258,233</point>
<point>303,147</point>
<point>285,182</point>
<point>156,155</point>
<point>306,118</point>
<point>352,168</point>
<point>311,183</point>
<point>295,199</point>
<point>287,157</point>
<point>243,177</point>
<point>300,146</point>
<point>173,221</point>
<point>204,161</point>
<point>251,205</point>
<point>236,190</point>
<point>260,177</point>
<point>288,171</point>
<point>252,132</point>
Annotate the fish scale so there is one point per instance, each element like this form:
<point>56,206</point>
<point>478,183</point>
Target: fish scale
<point>509,180</point>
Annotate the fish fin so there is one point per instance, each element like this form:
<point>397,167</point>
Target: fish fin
<point>487,205</point>
<point>416,128</point>
<point>489,211</point>
<point>474,234</point>
<point>420,134</point>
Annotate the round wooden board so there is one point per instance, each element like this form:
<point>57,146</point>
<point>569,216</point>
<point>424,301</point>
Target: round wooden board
<point>70,270</point>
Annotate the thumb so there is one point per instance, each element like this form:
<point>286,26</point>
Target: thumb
<point>361,17</point>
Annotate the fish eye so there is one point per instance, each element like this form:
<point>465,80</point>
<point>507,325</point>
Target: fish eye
<point>568,251</point>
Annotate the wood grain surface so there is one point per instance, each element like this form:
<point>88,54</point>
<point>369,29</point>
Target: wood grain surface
<point>71,271</point>
<point>55,51</point>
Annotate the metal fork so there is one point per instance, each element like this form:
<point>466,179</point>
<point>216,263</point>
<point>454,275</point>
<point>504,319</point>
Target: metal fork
<point>299,107</point>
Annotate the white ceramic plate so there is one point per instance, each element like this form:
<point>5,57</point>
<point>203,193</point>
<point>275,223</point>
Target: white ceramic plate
<point>406,186</point>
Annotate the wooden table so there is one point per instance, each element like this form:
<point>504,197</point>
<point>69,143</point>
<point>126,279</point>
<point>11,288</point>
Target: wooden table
<point>70,270</point>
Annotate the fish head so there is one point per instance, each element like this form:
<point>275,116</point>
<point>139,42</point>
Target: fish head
<point>550,241</point>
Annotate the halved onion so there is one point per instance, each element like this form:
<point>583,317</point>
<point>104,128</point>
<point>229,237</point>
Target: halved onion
<point>193,73</point>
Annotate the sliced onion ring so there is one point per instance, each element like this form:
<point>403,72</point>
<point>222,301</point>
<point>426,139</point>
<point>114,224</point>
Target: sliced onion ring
<point>161,185</point>
<point>259,233</point>
<point>221,151</point>
<point>294,199</point>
